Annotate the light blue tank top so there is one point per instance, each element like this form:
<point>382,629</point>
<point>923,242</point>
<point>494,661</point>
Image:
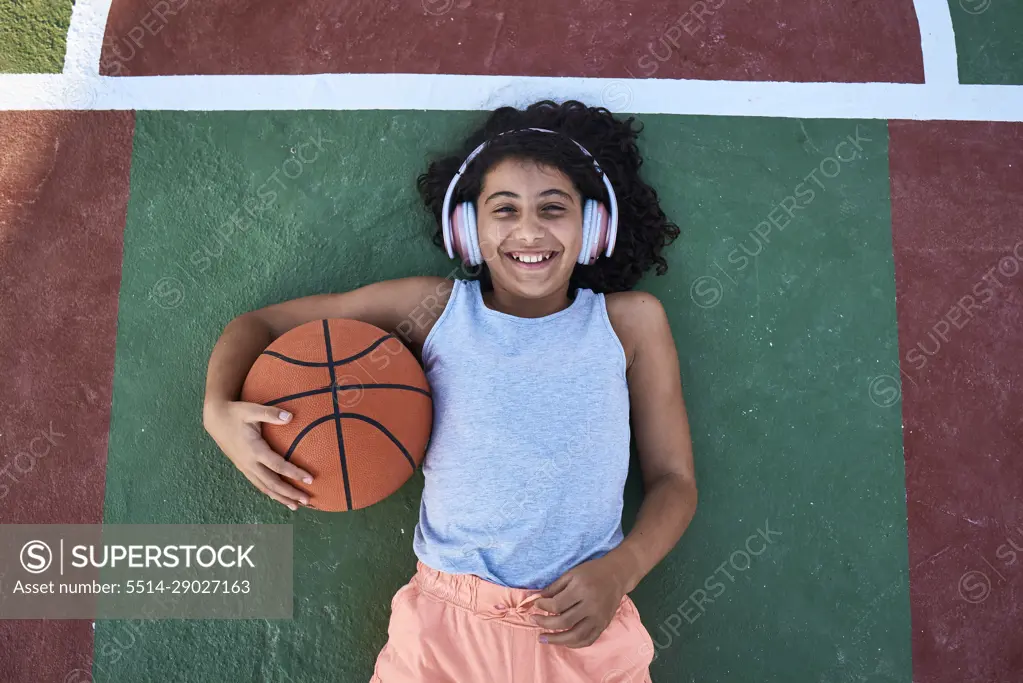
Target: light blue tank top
<point>529,452</point>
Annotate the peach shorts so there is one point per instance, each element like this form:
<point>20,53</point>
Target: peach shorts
<point>459,628</point>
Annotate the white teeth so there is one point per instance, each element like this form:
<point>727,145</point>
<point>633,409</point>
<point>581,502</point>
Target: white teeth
<point>532,258</point>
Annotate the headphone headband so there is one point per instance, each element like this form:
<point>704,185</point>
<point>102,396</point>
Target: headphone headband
<point>446,208</point>
<point>476,152</point>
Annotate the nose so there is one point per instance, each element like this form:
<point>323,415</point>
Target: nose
<point>529,230</point>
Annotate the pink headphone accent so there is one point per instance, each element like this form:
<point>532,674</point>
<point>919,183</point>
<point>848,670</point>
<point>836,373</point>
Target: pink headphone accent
<point>600,226</point>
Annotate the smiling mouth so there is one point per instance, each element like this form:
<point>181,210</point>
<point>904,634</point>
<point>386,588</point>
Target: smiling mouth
<point>532,260</point>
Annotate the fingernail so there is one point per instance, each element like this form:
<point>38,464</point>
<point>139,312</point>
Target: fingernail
<point>293,506</point>
<point>543,639</point>
<point>284,415</point>
<point>308,480</point>
<point>305,501</point>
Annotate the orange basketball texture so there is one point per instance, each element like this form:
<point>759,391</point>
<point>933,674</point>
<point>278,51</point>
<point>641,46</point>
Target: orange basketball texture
<point>361,410</point>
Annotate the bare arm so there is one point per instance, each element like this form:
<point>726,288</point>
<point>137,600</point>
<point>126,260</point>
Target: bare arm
<point>407,307</point>
<point>241,342</point>
<point>661,428</point>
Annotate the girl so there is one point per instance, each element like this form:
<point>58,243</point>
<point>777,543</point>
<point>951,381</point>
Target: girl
<point>535,361</point>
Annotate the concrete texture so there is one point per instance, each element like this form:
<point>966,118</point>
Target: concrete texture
<point>988,41</point>
<point>709,39</point>
<point>958,238</point>
<point>782,294</point>
<point>63,198</point>
<point>789,446</point>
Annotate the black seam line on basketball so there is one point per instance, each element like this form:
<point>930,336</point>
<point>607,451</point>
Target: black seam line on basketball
<point>337,419</point>
<point>313,392</point>
<point>330,363</point>
<point>392,437</point>
<point>306,430</point>
<point>355,416</point>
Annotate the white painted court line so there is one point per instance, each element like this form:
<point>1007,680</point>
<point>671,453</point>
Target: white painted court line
<point>937,42</point>
<point>476,93</point>
<point>940,98</point>
<point>85,36</point>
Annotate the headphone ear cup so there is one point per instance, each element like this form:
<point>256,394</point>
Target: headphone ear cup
<point>602,230</point>
<point>472,235</point>
<point>457,228</point>
<point>584,249</point>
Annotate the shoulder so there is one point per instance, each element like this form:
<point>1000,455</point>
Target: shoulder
<point>425,291</point>
<point>431,284</point>
<point>635,316</point>
<point>634,310</point>
<point>420,301</point>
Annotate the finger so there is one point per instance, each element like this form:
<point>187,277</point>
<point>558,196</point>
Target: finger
<point>263,489</point>
<point>254,412</point>
<point>560,603</point>
<point>581,635</point>
<point>563,621</point>
<point>270,459</point>
<point>274,483</point>
<point>559,585</point>
<point>292,505</point>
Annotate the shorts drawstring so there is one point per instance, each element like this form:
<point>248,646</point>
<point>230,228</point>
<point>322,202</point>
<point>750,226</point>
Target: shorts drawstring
<point>522,608</point>
<point>518,612</point>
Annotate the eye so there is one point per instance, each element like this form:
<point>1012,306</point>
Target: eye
<point>553,208</point>
<point>506,210</point>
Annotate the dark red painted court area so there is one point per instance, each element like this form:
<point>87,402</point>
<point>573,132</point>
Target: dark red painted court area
<point>780,40</point>
<point>62,211</point>
<point>958,237</point>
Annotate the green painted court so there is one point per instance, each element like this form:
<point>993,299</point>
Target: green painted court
<point>783,364</point>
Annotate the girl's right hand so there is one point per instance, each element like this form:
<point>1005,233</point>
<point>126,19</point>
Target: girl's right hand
<point>235,426</point>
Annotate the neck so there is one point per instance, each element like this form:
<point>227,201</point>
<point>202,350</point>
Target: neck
<point>500,299</point>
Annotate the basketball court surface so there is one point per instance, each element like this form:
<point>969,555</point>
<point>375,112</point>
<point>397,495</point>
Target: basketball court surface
<point>846,297</point>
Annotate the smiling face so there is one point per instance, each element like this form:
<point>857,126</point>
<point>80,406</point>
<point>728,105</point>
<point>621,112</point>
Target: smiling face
<point>529,221</point>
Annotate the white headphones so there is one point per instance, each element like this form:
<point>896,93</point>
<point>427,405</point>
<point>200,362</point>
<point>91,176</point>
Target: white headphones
<point>600,226</point>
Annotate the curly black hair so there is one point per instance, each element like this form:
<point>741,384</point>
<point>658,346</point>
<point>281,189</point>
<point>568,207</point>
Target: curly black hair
<point>643,228</point>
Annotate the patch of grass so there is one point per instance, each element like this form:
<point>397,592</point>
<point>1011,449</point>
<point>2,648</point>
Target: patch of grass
<point>33,35</point>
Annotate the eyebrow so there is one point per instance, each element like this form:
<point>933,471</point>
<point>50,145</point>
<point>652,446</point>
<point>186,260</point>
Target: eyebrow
<point>545,193</point>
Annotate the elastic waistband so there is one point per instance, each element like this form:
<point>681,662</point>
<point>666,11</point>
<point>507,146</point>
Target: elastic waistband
<point>487,600</point>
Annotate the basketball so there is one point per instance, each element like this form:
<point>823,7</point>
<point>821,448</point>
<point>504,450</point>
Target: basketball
<point>360,404</point>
